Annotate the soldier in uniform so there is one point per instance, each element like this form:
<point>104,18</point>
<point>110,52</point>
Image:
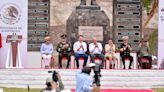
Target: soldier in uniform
<point>125,51</point>
<point>64,49</point>
<point>83,2</point>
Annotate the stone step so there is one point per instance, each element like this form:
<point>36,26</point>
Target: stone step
<point>35,78</point>
<point>106,85</point>
<point>72,72</point>
<point>67,78</point>
<point>30,81</point>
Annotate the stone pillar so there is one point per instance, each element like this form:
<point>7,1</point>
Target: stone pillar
<point>127,21</point>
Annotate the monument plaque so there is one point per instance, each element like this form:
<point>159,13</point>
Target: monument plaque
<point>123,12</point>
<point>38,23</point>
<point>89,21</point>
<point>91,31</point>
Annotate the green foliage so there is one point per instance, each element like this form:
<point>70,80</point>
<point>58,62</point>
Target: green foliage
<point>153,42</point>
<point>38,90</point>
<point>159,90</point>
<point>20,90</point>
<point>147,4</point>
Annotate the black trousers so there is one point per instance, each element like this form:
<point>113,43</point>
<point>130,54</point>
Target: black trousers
<point>130,58</point>
<point>101,56</point>
<point>68,56</point>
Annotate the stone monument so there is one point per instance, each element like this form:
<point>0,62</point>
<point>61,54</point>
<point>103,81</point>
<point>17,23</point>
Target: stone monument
<point>83,2</point>
<point>89,21</point>
<point>38,23</point>
<point>127,21</point>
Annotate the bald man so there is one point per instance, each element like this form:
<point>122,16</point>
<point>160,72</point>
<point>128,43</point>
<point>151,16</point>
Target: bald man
<point>96,49</point>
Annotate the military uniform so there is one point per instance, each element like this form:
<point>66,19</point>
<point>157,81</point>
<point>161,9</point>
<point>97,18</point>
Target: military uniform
<point>64,49</point>
<point>126,54</point>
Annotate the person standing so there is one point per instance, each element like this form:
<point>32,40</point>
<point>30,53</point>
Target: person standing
<point>80,49</point>
<point>95,49</point>
<point>46,51</point>
<point>125,51</point>
<point>84,82</point>
<point>64,49</point>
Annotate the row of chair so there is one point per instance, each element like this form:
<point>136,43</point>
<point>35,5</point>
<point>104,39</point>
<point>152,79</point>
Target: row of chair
<point>118,63</point>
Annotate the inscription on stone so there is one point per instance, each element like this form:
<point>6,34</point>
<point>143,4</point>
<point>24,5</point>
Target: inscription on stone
<point>38,23</point>
<point>89,32</point>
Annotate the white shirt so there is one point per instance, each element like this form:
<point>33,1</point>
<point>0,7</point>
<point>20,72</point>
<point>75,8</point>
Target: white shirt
<point>79,50</point>
<point>95,50</point>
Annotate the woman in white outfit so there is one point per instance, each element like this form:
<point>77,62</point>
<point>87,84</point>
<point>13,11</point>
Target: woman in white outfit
<point>110,54</point>
<point>46,51</point>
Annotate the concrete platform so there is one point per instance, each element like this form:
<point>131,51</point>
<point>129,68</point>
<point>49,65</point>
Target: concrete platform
<point>111,79</point>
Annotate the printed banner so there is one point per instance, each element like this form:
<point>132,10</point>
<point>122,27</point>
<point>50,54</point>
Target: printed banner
<point>161,34</point>
<point>13,29</point>
<point>0,41</point>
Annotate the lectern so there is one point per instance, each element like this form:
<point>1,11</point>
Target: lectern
<point>13,54</point>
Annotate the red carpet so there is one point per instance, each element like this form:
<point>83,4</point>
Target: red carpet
<point>125,90</point>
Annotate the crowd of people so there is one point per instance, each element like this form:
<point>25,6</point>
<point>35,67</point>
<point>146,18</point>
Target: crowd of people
<point>95,49</point>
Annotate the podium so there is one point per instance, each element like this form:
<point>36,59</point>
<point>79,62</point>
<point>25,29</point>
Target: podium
<point>13,55</point>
